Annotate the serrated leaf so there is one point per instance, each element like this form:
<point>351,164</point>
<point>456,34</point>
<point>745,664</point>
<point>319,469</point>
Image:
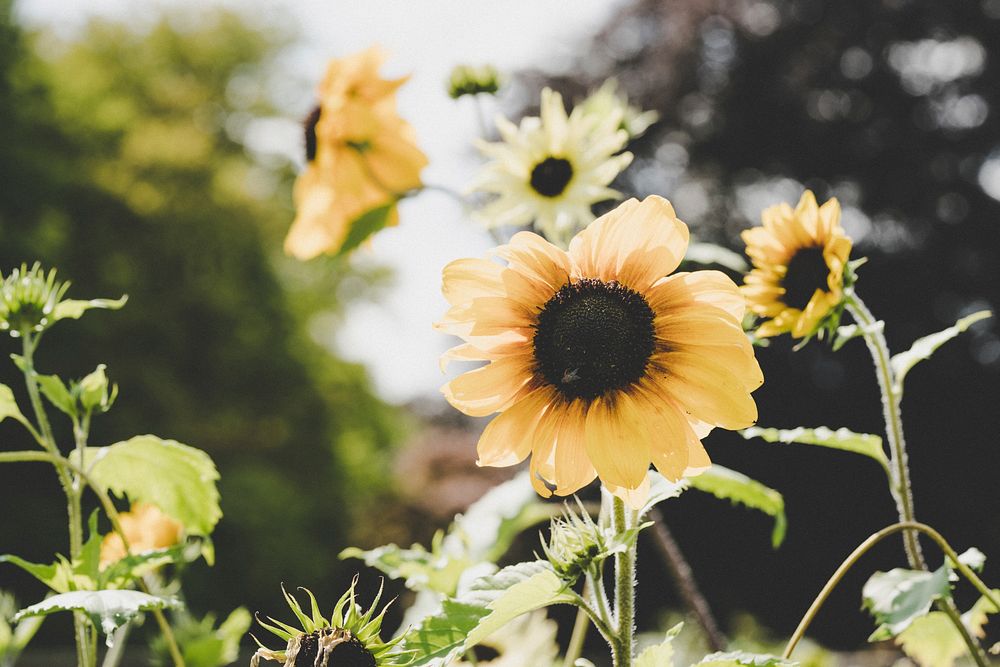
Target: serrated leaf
<point>973,558</point>
<point>361,228</point>
<point>897,597</point>
<point>744,659</point>
<point>662,654</point>
<point>923,348</point>
<point>843,439</point>
<point>75,308</point>
<point>56,576</point>
<point>109,609</point>
<point>932,640</point>
<point>179,479</point>
<point>8,406</point>
<point>730,485</point>
<point>491,602</point>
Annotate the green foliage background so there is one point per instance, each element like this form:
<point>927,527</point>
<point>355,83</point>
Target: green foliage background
<point>122,166</point>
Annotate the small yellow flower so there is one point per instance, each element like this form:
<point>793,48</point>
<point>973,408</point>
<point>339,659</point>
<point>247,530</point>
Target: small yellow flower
<point>799,259</point>
<point>361,156</point>
<point>599,361</point>
<point>146,528</point>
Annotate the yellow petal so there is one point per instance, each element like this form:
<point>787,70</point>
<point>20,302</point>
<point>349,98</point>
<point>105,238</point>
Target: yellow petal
<point>508,438</point>
<point>466,279</point>
<point>712,288</point>
<point>537,259</point>
<point>573,469</point>
<point>706,388</point>
<point>617,441</point>
<point>491,388</point>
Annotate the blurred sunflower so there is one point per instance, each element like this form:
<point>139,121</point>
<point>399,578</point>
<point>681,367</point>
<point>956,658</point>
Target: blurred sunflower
<point>799,258</point>
<point>146,528</point>
<point>600,362</point>
<point>360,155</point>
<point>350,638</point>
<point>552,169</point>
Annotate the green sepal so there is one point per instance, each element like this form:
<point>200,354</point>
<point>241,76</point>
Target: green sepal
<point>75,308</point>
<point>364,226</point>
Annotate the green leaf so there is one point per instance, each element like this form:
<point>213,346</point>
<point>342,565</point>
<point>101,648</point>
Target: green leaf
<point>420,569</point>
<point>897,597</point>
<point>75,308</point>
<point>364,226</point>
<point>730,485</point>
<point>179,479</point>
<point>932,640</point>
<point>843,439</point>
<point>744,659</point>
<point>491,602</point>
<point>57,393</point>
<point>8,406</point>
<point>56,576</point>
<point>662,654</point>
<point>923,348</point>
<point>660,489</point>
<point>108,609</point>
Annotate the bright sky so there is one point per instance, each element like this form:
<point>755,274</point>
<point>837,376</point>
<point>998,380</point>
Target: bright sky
<point>425,38</point>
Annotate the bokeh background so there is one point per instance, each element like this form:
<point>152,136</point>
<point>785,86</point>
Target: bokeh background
<point>149,150</point>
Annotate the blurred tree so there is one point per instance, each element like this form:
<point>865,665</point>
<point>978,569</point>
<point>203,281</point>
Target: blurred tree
<point>892,107</point>
<point>124,165</point>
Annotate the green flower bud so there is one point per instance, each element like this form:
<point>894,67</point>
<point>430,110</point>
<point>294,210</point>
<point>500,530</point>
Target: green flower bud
<point>470,80</point>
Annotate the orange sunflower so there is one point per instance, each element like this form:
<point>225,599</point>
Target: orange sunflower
<point>146,527</point>
<point>599,361</point>
<point>360,156</point>
<point>799,257</point>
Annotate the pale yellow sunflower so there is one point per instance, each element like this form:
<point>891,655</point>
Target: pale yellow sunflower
<point>146,528</point>
<point>360,156</point>
<point>551,169</point>
<point>799,258</point>
<point>600,362</point>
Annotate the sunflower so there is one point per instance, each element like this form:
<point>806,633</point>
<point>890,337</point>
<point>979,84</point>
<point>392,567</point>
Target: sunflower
<point>552,169</point>
<point>799,258</point>
<point>360,155</point>
<point>350,638</point>
<point>599,361</point>
<point>146,528</point>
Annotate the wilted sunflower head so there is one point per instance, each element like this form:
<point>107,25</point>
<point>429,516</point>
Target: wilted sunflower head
<point>28,298</point>
<point>800,257</point>
<point>600,362</point>
<point>349,638</point>
<point>360,156</point>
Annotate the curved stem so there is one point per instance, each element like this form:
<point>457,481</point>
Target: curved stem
<point>624,589</point>
<point>860,551</point>
<point>575,648</point>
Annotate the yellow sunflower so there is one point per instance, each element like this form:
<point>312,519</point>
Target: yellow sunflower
<point>799,257</point>
<point>599,361</point>
<point>360,156</point>
<point>146,527</point>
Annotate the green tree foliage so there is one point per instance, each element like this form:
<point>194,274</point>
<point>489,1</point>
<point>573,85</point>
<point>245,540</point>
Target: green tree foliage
<point>123,166</point>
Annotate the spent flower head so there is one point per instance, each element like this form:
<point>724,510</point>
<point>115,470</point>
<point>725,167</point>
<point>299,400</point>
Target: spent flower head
<point>349,638</point>
<point>473,80</point>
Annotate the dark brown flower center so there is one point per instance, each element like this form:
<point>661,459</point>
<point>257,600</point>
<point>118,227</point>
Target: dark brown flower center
<point>551,176</point>
<point>807,272</point>
<point>593,337</point>
<point>309,125</point>
<point>351,653</point>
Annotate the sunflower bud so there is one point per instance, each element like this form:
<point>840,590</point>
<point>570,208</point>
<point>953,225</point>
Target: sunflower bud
<point>470,80</point>
<point>28,298</point>
<point>575,544</point>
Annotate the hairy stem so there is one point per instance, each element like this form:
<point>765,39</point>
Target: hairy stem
<point>575,648</point>
<point>624,589</point>
<point>900,485</point>
<point>685,581</point>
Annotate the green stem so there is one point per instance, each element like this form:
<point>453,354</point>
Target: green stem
<point>624,590</point>
<point>861,550</point>
<point>575,648</point>
<point>112,512</point>
<point>900,485</point>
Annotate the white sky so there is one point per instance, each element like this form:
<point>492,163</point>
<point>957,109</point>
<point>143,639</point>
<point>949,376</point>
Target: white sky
<point>425,38</point>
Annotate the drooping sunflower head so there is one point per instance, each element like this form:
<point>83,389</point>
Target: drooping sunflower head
<point>360,156</point>
<point>800,258</point>
<point>349,638</point>
<point>600,362</point>
<point>551,169</point>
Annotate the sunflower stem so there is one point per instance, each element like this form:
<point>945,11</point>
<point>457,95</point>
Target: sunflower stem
<point>575,648</point>
<point>623,646</point>
<point>899,481</point>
